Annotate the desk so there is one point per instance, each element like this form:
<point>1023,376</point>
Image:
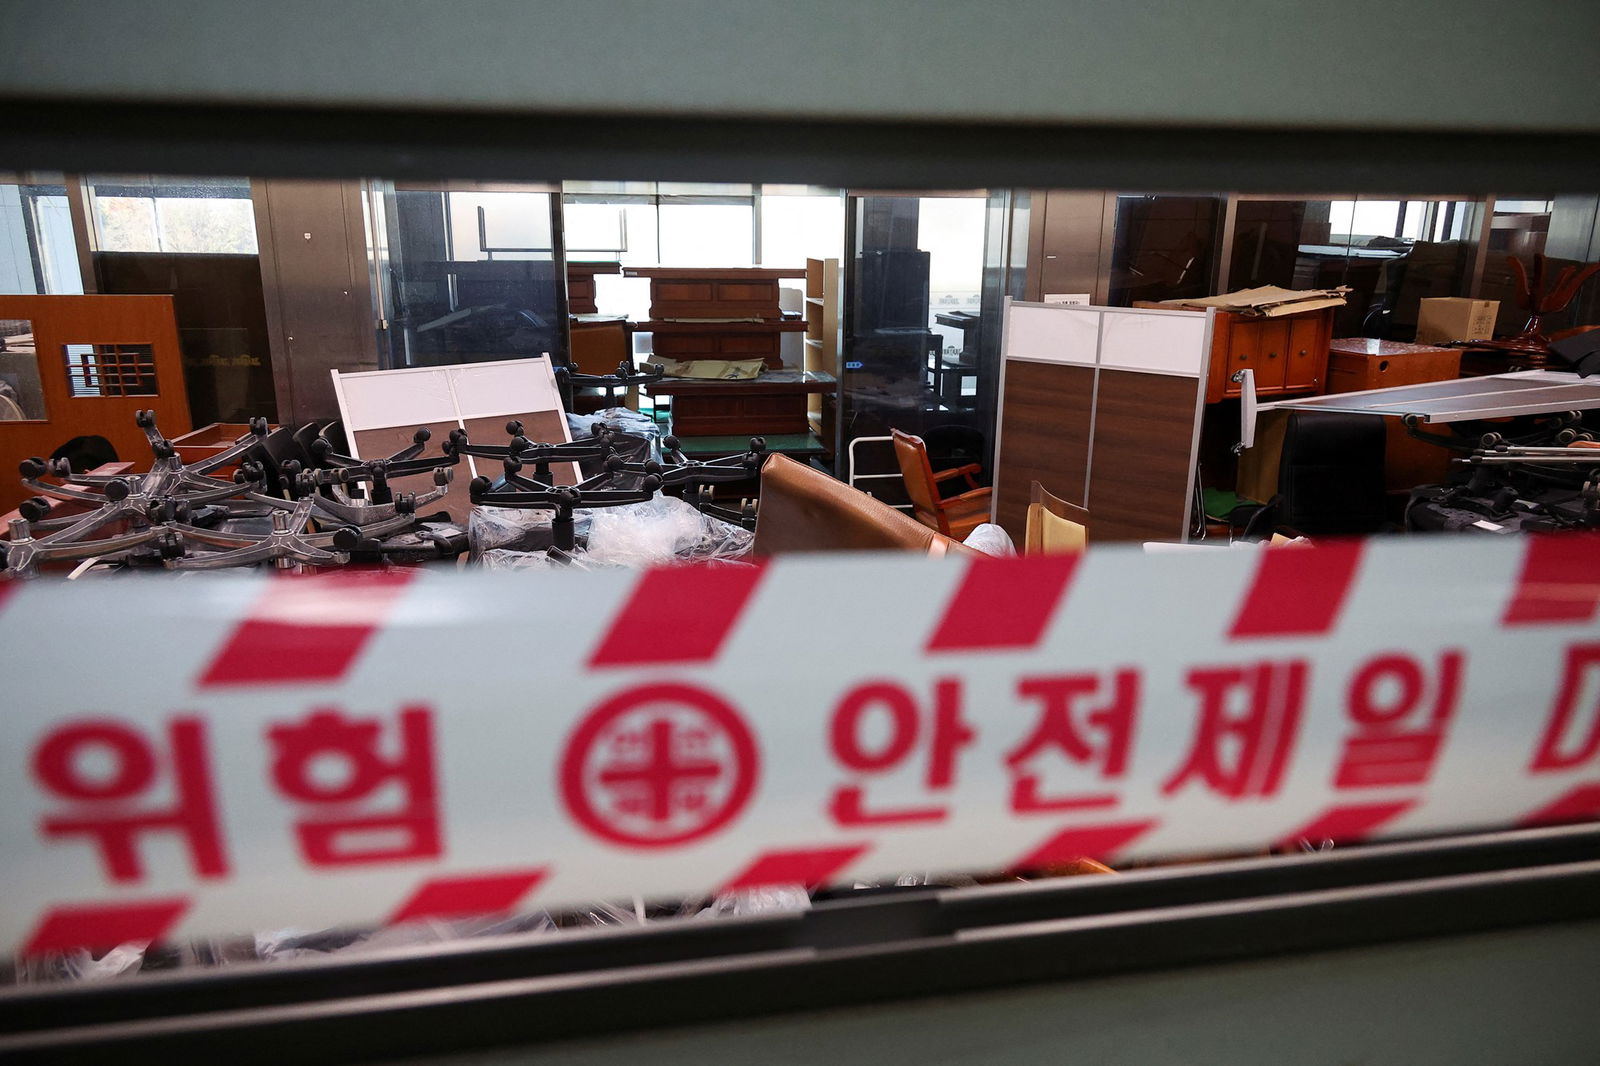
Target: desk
<point>794,445</point>
<point>772,404</point>
<point>688,341</point>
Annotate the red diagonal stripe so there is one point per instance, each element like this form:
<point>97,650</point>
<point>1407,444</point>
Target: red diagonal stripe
<point>1004,603</point>
<point>470,896</point>
<point>1560,580</point>
<point>800,866</point>
<point>7,588</point>
<point>1582,804</point>
<point>307,629</point>
<point>1298,591</point>
<point>1083,842</point>
<point>677,614</point>
<point>1347,824</point>
<point>102,926</point>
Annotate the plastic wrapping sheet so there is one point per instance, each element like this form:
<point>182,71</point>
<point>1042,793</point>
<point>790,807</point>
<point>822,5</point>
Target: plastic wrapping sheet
<point>664,530</point>
<point>507,560</point>
<point>517,529</point>
<point>990,539</point>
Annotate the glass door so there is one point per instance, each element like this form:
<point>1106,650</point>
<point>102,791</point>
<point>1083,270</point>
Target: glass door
<point>914,352</point>
<point>466,272</point>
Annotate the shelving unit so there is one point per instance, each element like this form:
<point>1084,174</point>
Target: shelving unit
<point>822,342</point>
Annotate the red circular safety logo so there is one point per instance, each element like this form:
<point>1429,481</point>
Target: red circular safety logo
<point>659,765</point>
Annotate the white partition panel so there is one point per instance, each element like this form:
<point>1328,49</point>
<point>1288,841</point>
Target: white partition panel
<point>380,399</point>
<point>1057,333</point>
<point>488,390</point>
<point>1158,342</point>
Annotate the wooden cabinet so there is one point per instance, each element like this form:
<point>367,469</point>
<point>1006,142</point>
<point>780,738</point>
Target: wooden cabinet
<point>1356,364</point>
<point>714,292</point>
<point>686,341</point>
<point>717,312</point>
<point>1288,354</point>
<point>580,285</point>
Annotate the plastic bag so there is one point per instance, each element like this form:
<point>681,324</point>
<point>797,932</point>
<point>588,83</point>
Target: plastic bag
<point>766,900</point>
<point>623,419</point>
<point>663,530</point>
<point>990,539</point>
<point>81,965</point>
<point>506,560</point>
<point>524,530</point>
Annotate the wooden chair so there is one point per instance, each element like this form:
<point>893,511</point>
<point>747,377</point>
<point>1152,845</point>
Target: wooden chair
<point>954,517</point>
<point>1054,527</point>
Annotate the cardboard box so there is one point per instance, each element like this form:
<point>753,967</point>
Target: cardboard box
<point>1455,318</point>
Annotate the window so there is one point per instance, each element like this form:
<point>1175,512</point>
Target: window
<point>21,394</point>
<point>111,369</point>
<point>148,214</point>
<point>800,225</point>
<point>37,250</point>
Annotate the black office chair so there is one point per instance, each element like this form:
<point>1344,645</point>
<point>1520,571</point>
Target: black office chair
<point>1330,478</point>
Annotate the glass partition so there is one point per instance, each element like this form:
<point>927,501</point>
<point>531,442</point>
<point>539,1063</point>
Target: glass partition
<point>1391,254</point>
<point>1163,248</point>
<point>471,274</point>
<point>913,300</point>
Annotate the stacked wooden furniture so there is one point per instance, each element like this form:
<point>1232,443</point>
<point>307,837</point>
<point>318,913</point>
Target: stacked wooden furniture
<point>717,312</point>
<point>772,404</point>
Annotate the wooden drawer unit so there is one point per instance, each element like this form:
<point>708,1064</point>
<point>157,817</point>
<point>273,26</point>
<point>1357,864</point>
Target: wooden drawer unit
<point>684,341</point>
<point>686,346</point>
<point>1288,354</point>
<point>774,403</point>
<point>714,292</point>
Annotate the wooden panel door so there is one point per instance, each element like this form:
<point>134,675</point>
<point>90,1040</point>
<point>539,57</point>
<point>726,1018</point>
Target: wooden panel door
<point>1307,357</point>
<point>1044,436</point>
<point>1272,349</point>
<point>1144,433</point>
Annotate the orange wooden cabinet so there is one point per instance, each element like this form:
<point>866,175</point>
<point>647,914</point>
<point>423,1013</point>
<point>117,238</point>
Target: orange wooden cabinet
<point>1288,354</point>
<point>1360,363</point>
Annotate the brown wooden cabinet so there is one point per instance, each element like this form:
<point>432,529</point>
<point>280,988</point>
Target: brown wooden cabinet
<point>580,285</point>
<point>1288,354</point>
<point>714,292</point>
<point>1357,364</point>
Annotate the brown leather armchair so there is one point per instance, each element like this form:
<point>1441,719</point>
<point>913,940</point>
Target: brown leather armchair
<point>804,510</point>
<point>955,516</point>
